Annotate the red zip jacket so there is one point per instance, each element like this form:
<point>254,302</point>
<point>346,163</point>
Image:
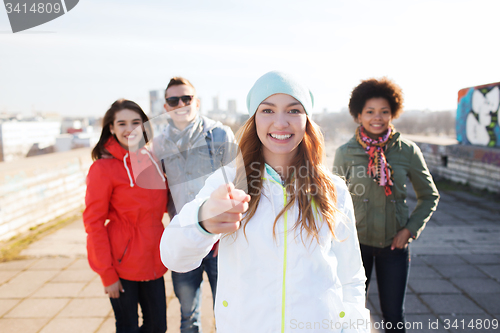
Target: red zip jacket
<point>127,246</point>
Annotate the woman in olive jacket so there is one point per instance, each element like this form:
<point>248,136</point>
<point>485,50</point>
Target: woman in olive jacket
<point>376,163</point>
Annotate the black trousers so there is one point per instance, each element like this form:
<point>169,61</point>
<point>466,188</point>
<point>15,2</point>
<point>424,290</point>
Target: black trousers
<point>151,296</point>
<point>392,268</point>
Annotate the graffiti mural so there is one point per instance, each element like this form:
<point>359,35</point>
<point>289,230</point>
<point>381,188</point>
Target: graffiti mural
<point>477,115</point>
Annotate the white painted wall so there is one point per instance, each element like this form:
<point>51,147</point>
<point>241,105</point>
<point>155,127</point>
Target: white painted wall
<point>38,189</point>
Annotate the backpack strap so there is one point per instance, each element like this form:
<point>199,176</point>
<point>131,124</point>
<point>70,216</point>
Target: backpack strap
<point>216,135</point>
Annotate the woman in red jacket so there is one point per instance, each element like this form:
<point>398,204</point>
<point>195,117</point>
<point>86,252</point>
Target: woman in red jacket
<point>123,221</point>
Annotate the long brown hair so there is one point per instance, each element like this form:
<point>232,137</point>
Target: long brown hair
<point>109,118</point>
<point>316,192</point>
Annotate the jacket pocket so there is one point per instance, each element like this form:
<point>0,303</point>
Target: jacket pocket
<point>402,212</point>
<point>120,259</point>
<point>360,210</point>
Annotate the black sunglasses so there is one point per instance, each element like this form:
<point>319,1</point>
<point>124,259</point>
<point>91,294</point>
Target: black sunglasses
<point>174,101</point>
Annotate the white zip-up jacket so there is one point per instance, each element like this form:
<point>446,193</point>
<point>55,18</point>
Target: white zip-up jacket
<point>282,284</point>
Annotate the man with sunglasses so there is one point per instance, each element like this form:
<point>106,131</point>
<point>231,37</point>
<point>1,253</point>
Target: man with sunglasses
<point>191,148</point>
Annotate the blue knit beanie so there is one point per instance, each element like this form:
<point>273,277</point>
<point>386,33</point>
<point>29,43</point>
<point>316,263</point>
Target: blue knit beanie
<point>276,82</point>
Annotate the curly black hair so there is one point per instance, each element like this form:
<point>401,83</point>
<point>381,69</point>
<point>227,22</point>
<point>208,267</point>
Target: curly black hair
<point>374,88</point>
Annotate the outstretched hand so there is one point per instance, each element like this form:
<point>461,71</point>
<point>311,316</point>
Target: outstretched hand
<point>223,211</point>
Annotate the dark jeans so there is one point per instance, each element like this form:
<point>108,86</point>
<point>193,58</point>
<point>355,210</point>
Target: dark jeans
<point>392,268</point>
<point>151,296</point>
<point>187,289</point>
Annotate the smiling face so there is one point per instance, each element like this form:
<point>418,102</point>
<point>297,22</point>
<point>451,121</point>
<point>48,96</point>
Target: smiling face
<point>182,114</point>
<point>127,127</point>
<point>281,124</point>
<point>375,117</point>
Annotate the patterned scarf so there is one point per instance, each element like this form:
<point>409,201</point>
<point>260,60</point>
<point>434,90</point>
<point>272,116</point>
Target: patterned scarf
<point>184,139</point>
<point>378,167</point>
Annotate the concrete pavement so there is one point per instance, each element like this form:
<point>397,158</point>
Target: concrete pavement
<point>454,283</point>
<point>454,278</point>
<point>54,290</point>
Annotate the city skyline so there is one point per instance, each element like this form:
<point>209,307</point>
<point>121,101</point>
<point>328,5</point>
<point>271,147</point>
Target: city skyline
<point>80,63</point>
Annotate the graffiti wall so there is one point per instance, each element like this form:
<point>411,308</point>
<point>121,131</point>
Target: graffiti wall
<point>477,115</point>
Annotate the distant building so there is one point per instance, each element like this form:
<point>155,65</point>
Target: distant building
<point>17,138</point>
<point>156,102</point>
<point>215,108</point>
<point>156,105</point>
<point>231,106</point>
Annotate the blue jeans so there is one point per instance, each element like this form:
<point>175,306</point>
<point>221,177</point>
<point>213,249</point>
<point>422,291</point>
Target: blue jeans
<point>151,296</point>
<point>392,268</point>
<point>188,291</point>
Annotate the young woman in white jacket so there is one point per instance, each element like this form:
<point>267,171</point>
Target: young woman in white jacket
<point>289,258</point>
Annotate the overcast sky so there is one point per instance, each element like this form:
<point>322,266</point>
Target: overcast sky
<point>103,50</point>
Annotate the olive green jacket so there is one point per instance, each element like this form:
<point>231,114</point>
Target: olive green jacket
<point>380,217</point>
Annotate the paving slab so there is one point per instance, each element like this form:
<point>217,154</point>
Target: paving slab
<point>476,285</point>
<point>86,307</point>
<point>59,290</point>
<point>492,271</point>
<point>481,249</point>
<point>34,277</point>
<point>68,242</point>
<point>413,305</point>
<point>456,239</point>
<point>79,263</point>
<point>25,283</point>
<point>51,263</point>
<point>423,272</point>
<point>477,259</point>
<point>460,271</point>
<point>73,275</point>
<point>24,325</point>
<point>16,265</point>
<point>93,289</point>
<point>373,289</point>
<point>451,304</point>
<point>73,325</point>
<point>7,304</point>
<point>434,260</point>
<point>37,308</point>
<point>437,286</point>
<point>108,326</point>
<point>19,290</point>
<point>417,261</point>
<point>373,304</point>
<point>490,302</point>
<point>7,275</point>
<point>450,221</point>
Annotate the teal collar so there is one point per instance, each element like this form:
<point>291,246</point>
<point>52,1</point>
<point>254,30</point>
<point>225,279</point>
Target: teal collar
<point>274,175</point>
